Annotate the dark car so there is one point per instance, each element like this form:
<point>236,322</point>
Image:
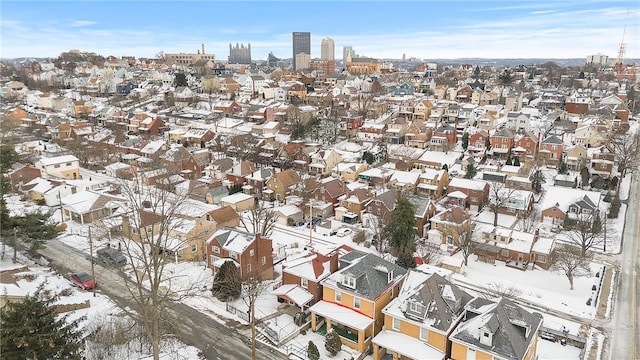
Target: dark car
<point>111,256</point>
<point>82,280</point>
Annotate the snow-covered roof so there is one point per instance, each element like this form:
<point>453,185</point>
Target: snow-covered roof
<point>295,293</point>
<point>405,345</point>
<point>563,197</point>
<point>342,315</point>
<point>57,160</point>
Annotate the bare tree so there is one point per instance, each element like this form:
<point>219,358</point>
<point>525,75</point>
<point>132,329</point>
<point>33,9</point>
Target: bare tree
<point>376,225</point>
<point>428,252</point>
<point>571,262</point>
<point>153,216</point>
<point>584,231</point>
<point>252,289</point>
<point>625,145</point>
<point>499,196</point>
<point>528,222</point>
<point>462,235</point>
<point>260,220</point>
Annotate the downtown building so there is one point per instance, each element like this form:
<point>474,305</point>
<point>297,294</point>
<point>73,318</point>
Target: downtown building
<point>187,59</point>
<point>301,42</point>
<point>327,49</point>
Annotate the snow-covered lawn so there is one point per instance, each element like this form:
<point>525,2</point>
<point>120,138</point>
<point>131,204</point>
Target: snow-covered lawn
<point>544,288</point>
<point>548,350</point>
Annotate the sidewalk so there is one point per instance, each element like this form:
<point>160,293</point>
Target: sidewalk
<point>603,301</point>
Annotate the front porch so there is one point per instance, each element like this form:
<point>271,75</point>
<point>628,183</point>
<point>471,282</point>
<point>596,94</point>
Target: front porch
<point>355,329</point>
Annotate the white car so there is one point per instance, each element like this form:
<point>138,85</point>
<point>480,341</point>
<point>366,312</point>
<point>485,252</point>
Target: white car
<point>344,232</point>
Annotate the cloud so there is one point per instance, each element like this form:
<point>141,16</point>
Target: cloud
<point>542,12</point>
<point>82,23</point>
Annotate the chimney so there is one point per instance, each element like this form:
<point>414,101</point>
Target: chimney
<point>202,48</point>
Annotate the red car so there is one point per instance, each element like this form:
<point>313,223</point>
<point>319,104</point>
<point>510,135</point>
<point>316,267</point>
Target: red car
<point>82,280</point>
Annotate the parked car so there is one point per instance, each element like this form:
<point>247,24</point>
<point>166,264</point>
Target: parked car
<point>111,256</point>
<point>82,280</point>
<point>344,232</point>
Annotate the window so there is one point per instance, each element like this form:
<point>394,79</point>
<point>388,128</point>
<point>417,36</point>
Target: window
<point>134,230</point>
<point>194,248</point>
<point>249,267</point>
<point>541,258</point>
<point>149,229</point>
<point>338,296</point>
<point>356,303</point>
<point>233,255</point>
<point>415,306</point>
<point>252,252</point>
<point>264,260</point>
<point>349,282</point>
<point>212,259</point>
<point>424,334</point>
<point>68,164</point>
<point>396,324</point>
<point>505,252</point>
<point>216,250</point>
<point>449,239</point>
<point>305,283</point>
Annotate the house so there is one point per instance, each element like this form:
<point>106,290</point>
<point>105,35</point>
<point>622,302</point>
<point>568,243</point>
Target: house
<point>349,171</point>
<point>436,160</point>
<point>65,167</point>
<point>223,217</point>
<point>289,215</point>
<point>591,134</point>
<point>576,157</point>
<point>353,298</point>
<point>432,183</point>
<point>444,138</point>
<point>323,162</point>
<point>281,184</point>
<point>302,276</point>
<point>257,181</point>
<point>602,163</point>
<point>89,206</point>
<point>525,146</point>
<point>252,254</point>
<point>239,201</point>
<point>417,135</point>
<point>496,330</point>
<point>514,202</point>
<point>352,204</point>
<point>424,210</point>
<point>239,172</point>
<point>382,204</point>
<point>518,122</point>
<point>404,182</point>
<point>502,142</point>
<point>477,192</point>
<point>21,176</point>
<point>551,150</point>
<point>557,201</point>
<point>518,248</point>
<point>479,142</point>
<point>420,320</point>
<point>448,224</point>
<point>330,189</point>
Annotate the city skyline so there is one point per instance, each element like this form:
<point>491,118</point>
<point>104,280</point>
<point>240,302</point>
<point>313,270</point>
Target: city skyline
<point>436,29</point>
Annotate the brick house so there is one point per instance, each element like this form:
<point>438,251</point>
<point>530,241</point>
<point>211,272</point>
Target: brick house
<point>551,150</point>
<point>525,146</point>
<point>252,254</point>
<point>329,190</point>
<point>478,141</point>
<point>502,142</point>
<point>382,204</point>
<point>477,192</point>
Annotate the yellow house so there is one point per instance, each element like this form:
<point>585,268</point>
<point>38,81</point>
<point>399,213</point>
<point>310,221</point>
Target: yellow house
<point>487,324</point>
<point>280,184</point>
<point>354,296</point>
<point>419,321</point>
<point>65,167</point>
<point>349,171</point>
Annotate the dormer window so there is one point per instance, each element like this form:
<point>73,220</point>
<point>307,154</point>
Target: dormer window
<point>349,281</point>
<point>486,338</point>
<point>390,276</point>
<point>415,307</point>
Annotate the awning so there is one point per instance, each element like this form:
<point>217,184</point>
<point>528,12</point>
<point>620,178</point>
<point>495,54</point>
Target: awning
<point>342,315</point>
<point>406,346</point>
<point>294,293</point>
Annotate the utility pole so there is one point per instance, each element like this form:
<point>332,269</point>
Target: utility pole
<point>310,223</point>
<point>93,275</point>
<point>61,213</point>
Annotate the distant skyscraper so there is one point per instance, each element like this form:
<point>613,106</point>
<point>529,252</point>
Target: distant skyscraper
<point>301,44</point>
<point>327,49</point>
<point>239,54</point>
<point>347,55</point>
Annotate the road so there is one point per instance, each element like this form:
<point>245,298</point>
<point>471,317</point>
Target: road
<point>625,338</point>
<point>216,340</point>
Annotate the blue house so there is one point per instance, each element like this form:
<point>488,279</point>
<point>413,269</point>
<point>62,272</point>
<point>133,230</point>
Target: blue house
<point>124,88</point>
<point>403,89</point>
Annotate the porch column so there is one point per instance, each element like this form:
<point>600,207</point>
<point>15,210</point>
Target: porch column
<point>361,335</point>
<point>328,324</point>
<point>313,322</point>
<point>82,219</point>
<point>376,352</point>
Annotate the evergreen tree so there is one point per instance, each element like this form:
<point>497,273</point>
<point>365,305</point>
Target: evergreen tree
<point>516,161</point>
<point>615,207</point>
<point>180,79</point>
<point>8,157</point>
<point>227,283</point>
<point>562,167</point>
<point>235,188</point>
<point>399,231</point>
<point>465,140</point>
<point>31,329</point>
<point>406,261</point>
<point>506,78</point>
<point>368,157</point>
<point>332,342</point>
<point>471,171</point>
<point>312,351</point>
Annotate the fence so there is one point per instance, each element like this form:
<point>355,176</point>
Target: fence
<point>241,314</point>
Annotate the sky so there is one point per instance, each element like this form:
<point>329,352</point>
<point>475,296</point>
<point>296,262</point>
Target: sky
<point>424,29</point>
